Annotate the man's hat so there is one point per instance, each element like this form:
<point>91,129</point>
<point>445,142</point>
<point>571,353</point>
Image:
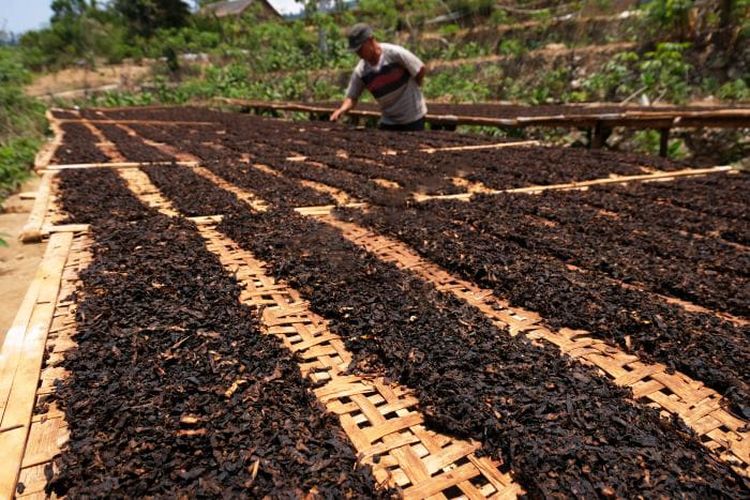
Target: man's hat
<point>359,34</point>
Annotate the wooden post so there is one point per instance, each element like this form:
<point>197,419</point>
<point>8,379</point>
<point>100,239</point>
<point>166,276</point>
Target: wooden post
<point>664,142</point>
<point>601,134</point>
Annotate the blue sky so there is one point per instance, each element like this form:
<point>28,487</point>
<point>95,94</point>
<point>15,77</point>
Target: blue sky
<point>21,15</point>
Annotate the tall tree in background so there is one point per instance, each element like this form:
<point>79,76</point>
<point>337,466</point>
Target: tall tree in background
<point>144,17</point>
<point>66,9</point>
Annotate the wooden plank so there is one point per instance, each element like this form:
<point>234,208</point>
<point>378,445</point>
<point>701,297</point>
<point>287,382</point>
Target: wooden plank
<point>32,230</point>
<point>27,350</point>
<point>43,443</point>
<point>48,229</point>
<point>45,154</point>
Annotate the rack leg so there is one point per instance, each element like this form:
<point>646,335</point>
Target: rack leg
<point>663,142</point>
<point>601,134</point>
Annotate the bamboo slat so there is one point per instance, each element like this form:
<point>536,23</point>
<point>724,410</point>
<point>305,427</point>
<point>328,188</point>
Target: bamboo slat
<point>138,122</point>
<point>139,183</point>
<point>499,145</point>
<point>700,407</point>
<point>584,184</point>
<point>118,165</point>
<point>380,419</point>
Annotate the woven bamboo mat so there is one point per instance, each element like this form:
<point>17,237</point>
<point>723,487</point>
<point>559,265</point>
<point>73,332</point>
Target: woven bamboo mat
<point>380,419</point>
<point>700,407</point>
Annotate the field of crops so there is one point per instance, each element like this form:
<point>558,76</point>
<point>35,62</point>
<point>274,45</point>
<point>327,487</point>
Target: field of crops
<point>248,306</point>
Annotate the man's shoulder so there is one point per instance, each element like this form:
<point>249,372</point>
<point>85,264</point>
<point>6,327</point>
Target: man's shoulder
<point>392,47</point>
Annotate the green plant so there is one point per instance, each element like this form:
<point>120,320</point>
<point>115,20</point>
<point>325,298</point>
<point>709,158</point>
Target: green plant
<point>647,141</point>
<point>736,90</point>
<point>510,47</point>
<point>22,122</point>
<point>458,85</point>
<point>615,79</point>
<point>664,71</point>
<point>661,73</point>
<point>667,16</point>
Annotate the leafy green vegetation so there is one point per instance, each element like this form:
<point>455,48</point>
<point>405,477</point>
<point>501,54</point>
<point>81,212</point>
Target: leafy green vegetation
<point>197,57</point>
<point>22,123</point>
<point>661,74</point>
<point>647,141</point>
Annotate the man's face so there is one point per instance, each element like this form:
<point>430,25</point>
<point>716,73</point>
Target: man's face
<point>367,50</point>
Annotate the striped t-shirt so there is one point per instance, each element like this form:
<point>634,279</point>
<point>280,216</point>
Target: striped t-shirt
<point>392,84</point>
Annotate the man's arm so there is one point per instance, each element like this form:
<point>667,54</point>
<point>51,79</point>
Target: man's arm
<point>348,104</point>
<point>412,63</point>
<point>419,78</point>
<point>355,89</point>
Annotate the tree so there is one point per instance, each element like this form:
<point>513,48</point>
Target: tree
<point>144,17</point>
<point>66,9</point>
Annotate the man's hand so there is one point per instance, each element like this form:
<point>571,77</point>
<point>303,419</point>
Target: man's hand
<point>348,104</point>
<point>337,114</point>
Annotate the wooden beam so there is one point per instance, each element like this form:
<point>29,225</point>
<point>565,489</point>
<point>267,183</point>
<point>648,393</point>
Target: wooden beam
<point>718,118</point>
<point>32,231</point>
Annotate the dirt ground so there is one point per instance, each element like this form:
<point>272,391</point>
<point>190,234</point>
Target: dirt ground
<point>122,75</point>
<point>18,262</point>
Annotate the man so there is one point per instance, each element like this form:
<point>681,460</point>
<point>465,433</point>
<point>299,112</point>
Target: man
<point>393,75</point>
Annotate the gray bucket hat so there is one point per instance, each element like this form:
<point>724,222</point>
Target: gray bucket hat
<point>359,34</point>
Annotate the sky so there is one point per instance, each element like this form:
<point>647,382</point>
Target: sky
<point>22,15</point>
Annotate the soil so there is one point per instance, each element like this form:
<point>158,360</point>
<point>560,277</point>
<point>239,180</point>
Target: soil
<point>174,391</point>
<point>70,79</point>
<point>563,429</point>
